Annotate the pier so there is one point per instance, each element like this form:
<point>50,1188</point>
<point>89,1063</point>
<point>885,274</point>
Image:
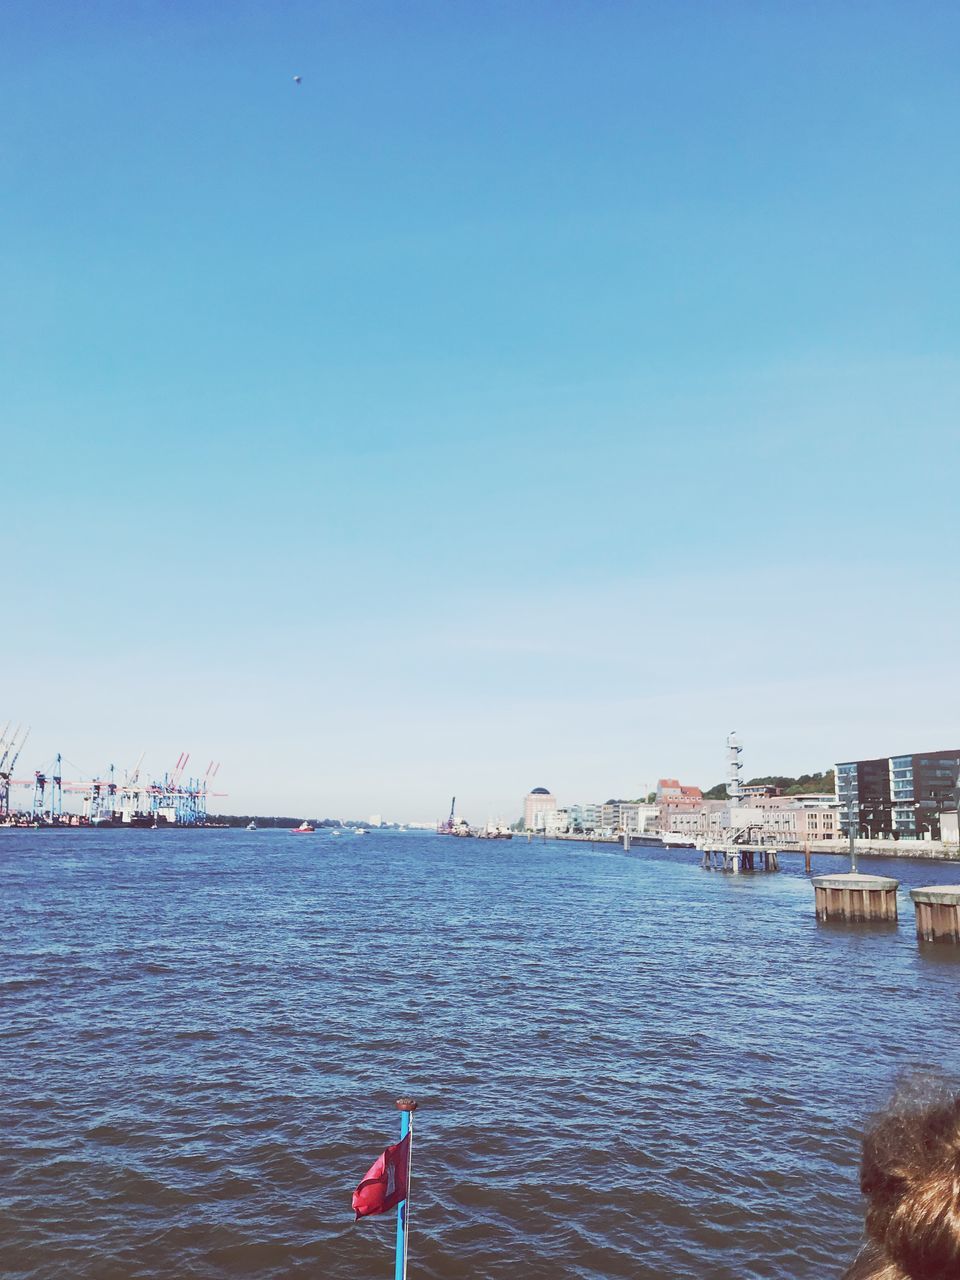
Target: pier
<point>735,858</point>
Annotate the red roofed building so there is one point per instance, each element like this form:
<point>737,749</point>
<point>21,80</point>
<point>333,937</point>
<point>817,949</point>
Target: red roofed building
<point>675,799</point>
<point>670,791</point>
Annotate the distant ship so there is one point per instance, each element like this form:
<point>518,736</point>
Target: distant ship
<point>451,827</point>
<point>304,829</point>
<point>251,826</point>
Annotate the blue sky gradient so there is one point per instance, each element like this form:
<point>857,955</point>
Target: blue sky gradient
<point>533,395</point>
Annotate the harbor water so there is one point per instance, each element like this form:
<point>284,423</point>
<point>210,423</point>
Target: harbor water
<point>626,1066</point>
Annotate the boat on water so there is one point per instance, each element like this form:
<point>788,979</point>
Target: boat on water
<point>251,826</point>
<point>675,840</point>
<point>361,831</point>
<point>304,829</point>
<point>451,827</point>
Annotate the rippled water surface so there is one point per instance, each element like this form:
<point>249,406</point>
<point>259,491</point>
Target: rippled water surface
<point>626,1066</point>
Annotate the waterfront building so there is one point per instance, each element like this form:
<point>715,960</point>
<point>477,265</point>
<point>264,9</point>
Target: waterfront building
<point>791,819</point>
<point>708,818</point>
<point>897,797</point>
<point>591,816</point>
<point>632,816</point>
<point>670,791</point>
<point>818,823</point>
<point>674,800</point>
<point>536,805</point>
<point>583,818</point>
<point>556,822</point>
<point>815,816</point>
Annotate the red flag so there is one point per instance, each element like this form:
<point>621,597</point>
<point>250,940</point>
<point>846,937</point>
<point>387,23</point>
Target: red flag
<point>385,1182</point>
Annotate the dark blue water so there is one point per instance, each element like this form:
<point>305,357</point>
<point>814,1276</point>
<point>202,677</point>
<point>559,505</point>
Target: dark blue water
<point>626,1066</point>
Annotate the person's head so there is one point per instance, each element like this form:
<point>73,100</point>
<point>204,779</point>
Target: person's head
<point>910,1176</point>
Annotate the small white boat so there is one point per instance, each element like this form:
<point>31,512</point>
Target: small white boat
<point>335,831</point>
<point>251,826</point>
<point>361,831</point>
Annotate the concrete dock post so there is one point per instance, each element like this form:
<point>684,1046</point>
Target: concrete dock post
<point>852,897</point>
<point>938,913</point>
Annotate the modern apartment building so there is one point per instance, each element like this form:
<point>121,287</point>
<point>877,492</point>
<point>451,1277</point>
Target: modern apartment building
<point>896,797</point>
<point>632,816</point>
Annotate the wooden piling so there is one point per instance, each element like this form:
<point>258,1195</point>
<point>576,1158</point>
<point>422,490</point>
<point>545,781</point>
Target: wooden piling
<point>938,913</point>
<point>852,897</point>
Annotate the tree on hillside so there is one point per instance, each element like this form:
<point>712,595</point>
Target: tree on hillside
<point>806,784</point>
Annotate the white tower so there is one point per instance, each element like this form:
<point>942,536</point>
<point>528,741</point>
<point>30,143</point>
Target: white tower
<point>734,765</point>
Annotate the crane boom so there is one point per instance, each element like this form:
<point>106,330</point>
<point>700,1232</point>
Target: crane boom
<point>16,756</point>
<point>7,744</point>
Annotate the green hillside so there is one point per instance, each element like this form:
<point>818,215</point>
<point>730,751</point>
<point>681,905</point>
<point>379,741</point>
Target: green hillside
<point>806,784</point>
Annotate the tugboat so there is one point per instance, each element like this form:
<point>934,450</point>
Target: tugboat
<point>304,829</point>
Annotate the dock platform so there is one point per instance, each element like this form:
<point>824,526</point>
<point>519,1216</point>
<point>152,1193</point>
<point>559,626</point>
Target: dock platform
<point>735,858</point>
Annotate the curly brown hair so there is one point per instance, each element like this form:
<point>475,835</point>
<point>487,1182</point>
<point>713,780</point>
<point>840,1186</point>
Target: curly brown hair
<point>910,1175</point>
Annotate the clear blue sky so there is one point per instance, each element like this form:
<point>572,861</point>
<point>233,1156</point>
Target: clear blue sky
<point>536,393</point>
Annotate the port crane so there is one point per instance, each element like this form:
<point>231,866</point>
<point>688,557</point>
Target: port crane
<point>9,755</point>
<point>447,826</point>
<point>55,780</point>
<point>174,798</point>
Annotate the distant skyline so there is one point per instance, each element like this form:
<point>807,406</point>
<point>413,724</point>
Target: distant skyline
<point>531,396</point>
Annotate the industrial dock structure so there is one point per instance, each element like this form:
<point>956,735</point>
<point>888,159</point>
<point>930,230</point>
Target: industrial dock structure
<point>44,797</point>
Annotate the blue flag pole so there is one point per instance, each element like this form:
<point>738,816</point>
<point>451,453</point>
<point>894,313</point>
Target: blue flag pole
<point>406,1107</point>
